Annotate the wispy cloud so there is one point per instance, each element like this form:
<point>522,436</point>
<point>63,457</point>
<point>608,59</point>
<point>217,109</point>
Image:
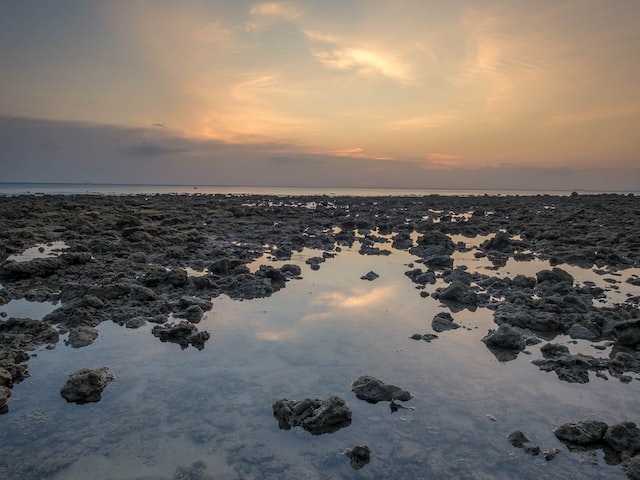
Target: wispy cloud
<point>357,152</point>
<point>363,61</point>
<point>440,161</point>
<point>276,9</point>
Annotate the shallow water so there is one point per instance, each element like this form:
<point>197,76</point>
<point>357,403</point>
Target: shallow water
<point>169,408</point>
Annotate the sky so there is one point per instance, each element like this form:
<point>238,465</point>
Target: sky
<point>506,94</point>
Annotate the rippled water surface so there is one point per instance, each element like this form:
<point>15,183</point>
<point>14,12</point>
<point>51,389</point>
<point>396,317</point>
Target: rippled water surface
<point>170,408</point>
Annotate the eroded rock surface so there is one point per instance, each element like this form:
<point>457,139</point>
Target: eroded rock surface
<point>86,385</point>
<point>372,390</point>
<point>313,415</point>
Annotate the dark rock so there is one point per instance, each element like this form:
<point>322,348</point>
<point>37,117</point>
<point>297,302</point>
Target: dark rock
<point>5,393</point>
<point>505,337</point>
<point>572,368</point>
<point>315,416</point>
<point>551,454</point>
<point>579,331</point>
<point>443,321</point>
<point>371,276</point>
<point>360,455</point>
<point>624,438</point>
<point>460,293</point>
<point>6,379</point>
<point>291,269</point>
<point>627,333</point>
<point>421,277</point>
<point>427,337</point>
<point>86,385</point>
<point>554,276</point>
<point>26,333</point>
<point>184,334</point>
<point>500,243</point>
<point>135,322</point>
<point>554,350</point>
<point>373,390</point>
<point>584,433</point>
<point>632,468</point>
<point>81,336</point>
<point>517,439</point>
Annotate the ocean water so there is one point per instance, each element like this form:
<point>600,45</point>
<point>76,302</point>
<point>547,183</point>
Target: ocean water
<point>177,414</point>
<point>122,189</point>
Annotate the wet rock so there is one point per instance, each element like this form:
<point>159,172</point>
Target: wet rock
<point>627,333</point>
<point>505,337</point>
<point>554,276</point>
<point>86,385</point>
<point>373,390</point>
<point>460,293</point>
<point>135,322</point>
<point>26,333</point>
<point>184,334</point>
<point>443,321</point>
<point>427,337</point>
<point>313,415</point>
<point>371,276</point>
<point>291,270</point>
<point>579,331</point>
<point>5,393</point>
<point>42,267</point>
<point>624,438</point>
<point>584,433</point>
<point>572,368</point>
<point>314,262</point>
<point>517,439</point>
<point>632,468</point>
<point>421,277</point>
<point>81,336</point>
<point>551,454</point>
<point>500,243</point>
<point>6,379</point>
<point>359,455</point>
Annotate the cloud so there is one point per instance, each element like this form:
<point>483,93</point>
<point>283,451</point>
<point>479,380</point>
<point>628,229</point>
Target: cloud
<point>357,152</point>
<point>276,9</point>
<point>441,161</point>
<point>363,61</point>
<point>149,149</point>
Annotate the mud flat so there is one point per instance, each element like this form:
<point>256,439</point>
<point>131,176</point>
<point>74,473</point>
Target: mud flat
<point>556,280</point>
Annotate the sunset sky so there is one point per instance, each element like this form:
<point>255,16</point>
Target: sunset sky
<point>410,93</point>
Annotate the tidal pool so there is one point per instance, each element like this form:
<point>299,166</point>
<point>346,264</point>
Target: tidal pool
<point>174,413</point>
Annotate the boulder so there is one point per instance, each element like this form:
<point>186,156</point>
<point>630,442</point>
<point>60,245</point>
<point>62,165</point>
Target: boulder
<point>183,333</point>
<point>313,415</point>
<point>443,321</point>
<point>505,337</point>
<point>628,332</point>
<point>359,455</point>
<point>584,433</point>
<point>81,336</point>
<point>86,385</point>
<point>373,390</point>
<point>624,438</point>
<point>460,293</point>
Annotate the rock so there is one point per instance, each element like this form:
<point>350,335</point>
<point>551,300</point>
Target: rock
<point>624,438</point>
<point>443,321</point>
<point>554,276</point>
<point>460,293</point>
<point>291,270</point>
<point>183,333</point>
<point>579,331</point>
<point>135,322</point>
<point>551,454</point>
<point>427,337</point>
<point>421,277</point>
<point>438,262</point>
<point>500,243</point>
<point>584,433</point>
<point>627,332</point>
<point>86,385</point>
<point>315,416</point>
<point>517,439</point>
<point>5,393</point>
<point>572,368</point>
<point>26,333</point>
<point>632,468</point>
<point>373,390</point>
<point>505,337</point>
<point>370,276</point>
<point>360,455</point>
<point>81,336</point>
<point>6,379</point>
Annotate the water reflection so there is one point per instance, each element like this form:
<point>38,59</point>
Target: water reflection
<point>170,411</point>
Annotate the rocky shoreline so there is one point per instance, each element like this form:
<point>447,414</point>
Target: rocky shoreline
<point>163,259</point>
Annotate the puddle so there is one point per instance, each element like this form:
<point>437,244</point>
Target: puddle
<point>41,250</point>
<point>169,408</point>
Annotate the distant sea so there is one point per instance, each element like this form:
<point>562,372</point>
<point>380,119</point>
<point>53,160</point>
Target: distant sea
<point>10,188</point>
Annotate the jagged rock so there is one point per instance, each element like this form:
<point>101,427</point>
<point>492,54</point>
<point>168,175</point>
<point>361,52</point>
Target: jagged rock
<point>632,468</point>
<point>460,293</point>
<point>81,336</point>
<point>315,416</point>
<point>517,439</point>
<point>5,393</point>
<point>360,455</point>
<point>26,333</point>
<point>421,277</point>
<point>628,332</point>
<point>371,276</point>
<point>624,438</point>
<point>86,385</point>
<point>443,321</point>
<point>183,333</point>
<point>500,243</point>
<point>554,276</point>
<point>584,433</point>
<point>373,390</point>
<point>505,337</point>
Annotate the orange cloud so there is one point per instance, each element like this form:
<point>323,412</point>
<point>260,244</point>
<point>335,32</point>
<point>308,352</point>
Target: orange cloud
<point>357,152</point>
